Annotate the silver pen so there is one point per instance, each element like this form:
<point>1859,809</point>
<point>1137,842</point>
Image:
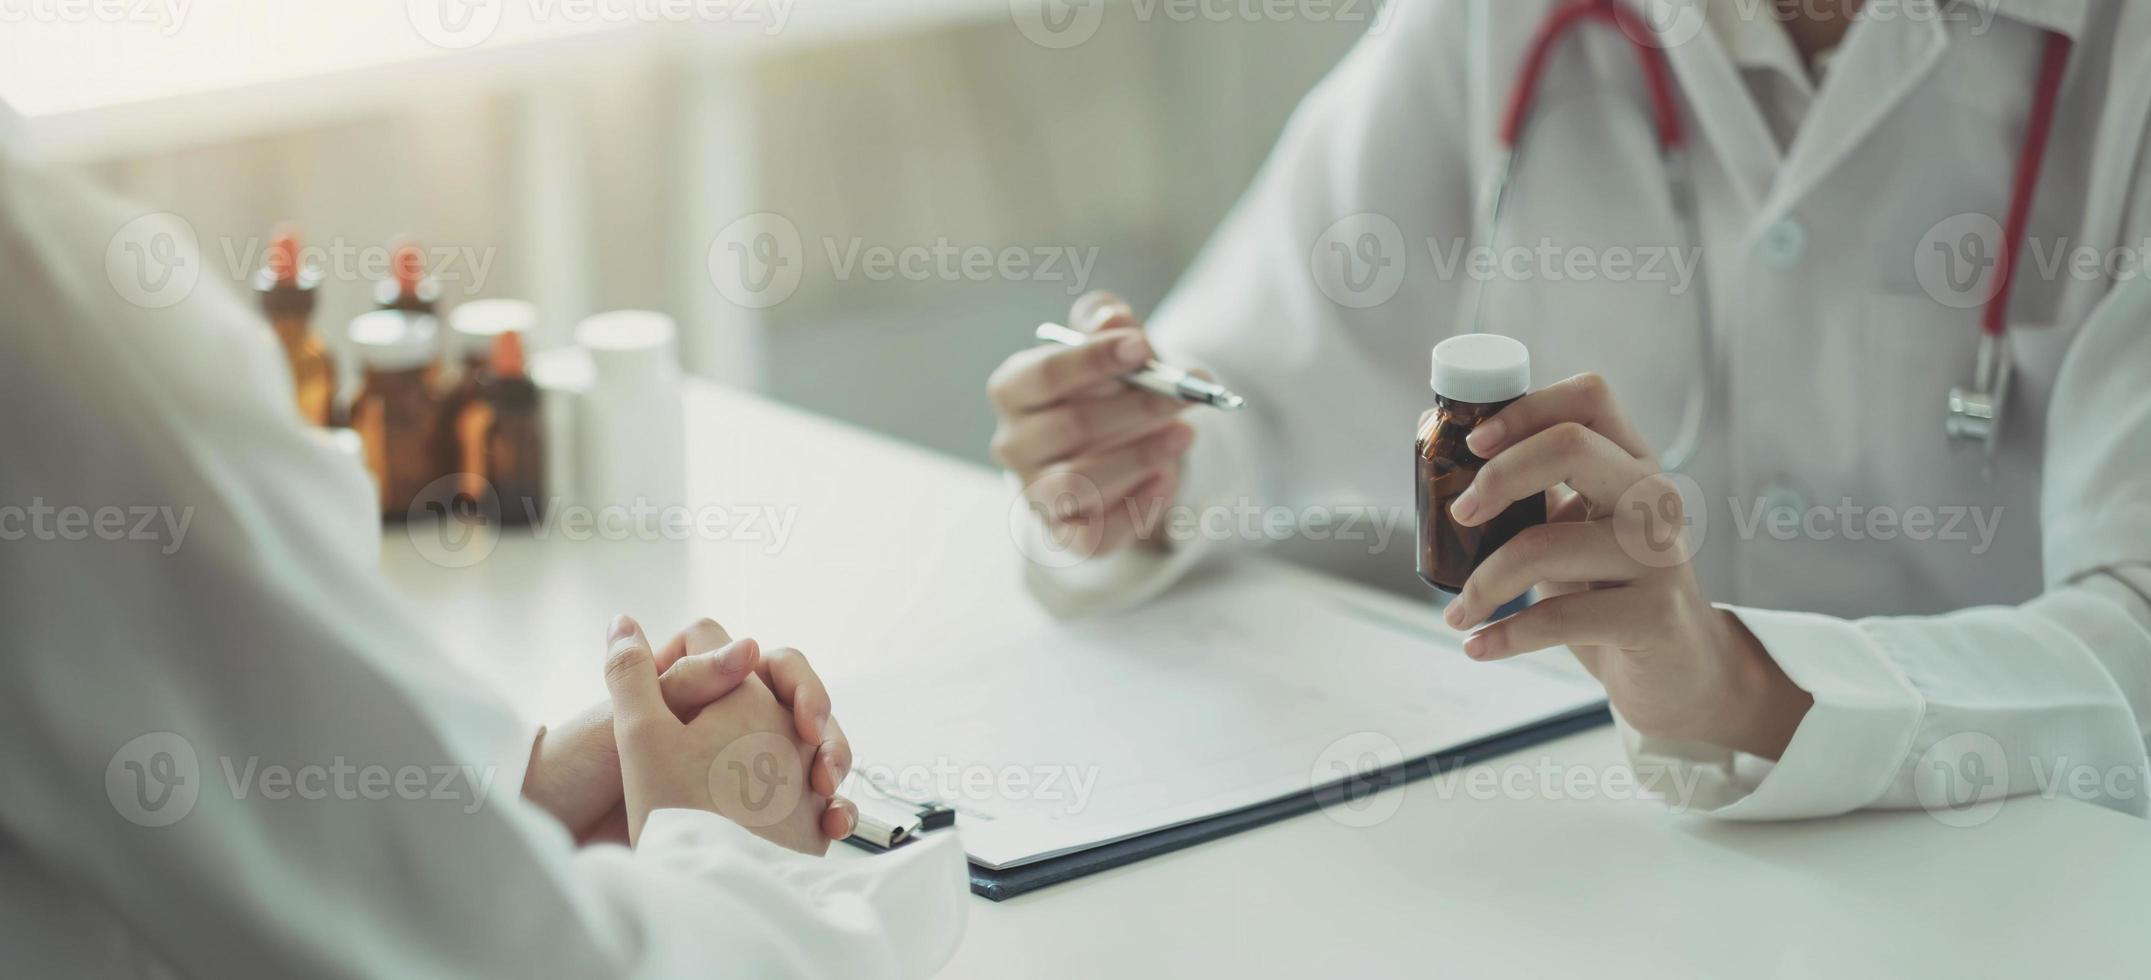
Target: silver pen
<point>1156,376</point>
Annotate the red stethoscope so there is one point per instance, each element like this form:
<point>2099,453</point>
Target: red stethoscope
<point>1975,412</point>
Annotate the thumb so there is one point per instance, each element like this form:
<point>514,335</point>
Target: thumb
<point>631,677</point>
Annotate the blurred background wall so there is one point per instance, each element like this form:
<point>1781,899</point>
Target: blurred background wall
<point>606,181</point>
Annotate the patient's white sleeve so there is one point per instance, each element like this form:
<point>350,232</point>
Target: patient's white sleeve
<point>158,679</point>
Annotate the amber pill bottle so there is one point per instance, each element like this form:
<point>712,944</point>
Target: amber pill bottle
<point>287,289</point>
<point>500,437</point>
<point>468,357</point>
<point>395,413</point>
<point>1475,377</point>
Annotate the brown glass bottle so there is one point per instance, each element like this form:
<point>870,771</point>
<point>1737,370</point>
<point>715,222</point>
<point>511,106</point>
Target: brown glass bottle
<point>410,289</point>
<point>500,438</point>
<point>395,411</point>
<point>287,290</point>
<point>1475,377</point>
<point>467,353</point>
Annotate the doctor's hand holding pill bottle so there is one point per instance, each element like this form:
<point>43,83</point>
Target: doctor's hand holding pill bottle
<point>1614,581</point>
<point>1099,458</point>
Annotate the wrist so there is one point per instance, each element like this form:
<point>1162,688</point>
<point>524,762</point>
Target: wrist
<point>575,769</point>
<point>1761,706</point>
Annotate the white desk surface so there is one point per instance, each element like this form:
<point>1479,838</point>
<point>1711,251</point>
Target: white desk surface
<point>891,541</point>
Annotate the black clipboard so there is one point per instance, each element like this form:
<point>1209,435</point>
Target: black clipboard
<point>1007,883</point>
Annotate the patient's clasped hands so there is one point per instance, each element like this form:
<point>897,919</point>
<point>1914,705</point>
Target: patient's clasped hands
<point>707,723</point>
<point>766,755</point>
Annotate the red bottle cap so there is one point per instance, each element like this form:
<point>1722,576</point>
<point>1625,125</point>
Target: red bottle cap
<point>282,260</point>
<point>507,359</point>
<point>408,264</point>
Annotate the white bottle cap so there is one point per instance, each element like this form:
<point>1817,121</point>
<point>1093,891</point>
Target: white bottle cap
<point>473,325</point>
<point>627,331</point>
<point>1481,368</point>
<point>393,340</point>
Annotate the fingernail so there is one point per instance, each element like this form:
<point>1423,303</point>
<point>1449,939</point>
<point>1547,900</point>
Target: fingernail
<point>735,657</point>
<point>1487,437</point>
<point>1104,315</point>
<point>1455,616</point>
<point>829,764</point>
<point>1133,352</point>
<point>1178,438</point>
<point>1477,646</point>
<point>622,627</point>
<point>1466,507</point>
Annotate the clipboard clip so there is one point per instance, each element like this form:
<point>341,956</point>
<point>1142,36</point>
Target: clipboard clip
<point>886,821</point>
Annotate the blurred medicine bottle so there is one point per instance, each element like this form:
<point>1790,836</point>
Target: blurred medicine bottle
<point>395,411</point>
<point>499,435</point>
<point>288,290</point>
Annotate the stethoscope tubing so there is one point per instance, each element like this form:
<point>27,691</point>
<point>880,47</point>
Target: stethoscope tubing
<point>1991,371</point>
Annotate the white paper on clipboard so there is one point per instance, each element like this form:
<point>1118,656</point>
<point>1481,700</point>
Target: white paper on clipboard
<point>1225,694</point>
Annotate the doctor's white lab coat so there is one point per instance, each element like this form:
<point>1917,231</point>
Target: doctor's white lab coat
<point>230,753</point>
<point>1951,623</point>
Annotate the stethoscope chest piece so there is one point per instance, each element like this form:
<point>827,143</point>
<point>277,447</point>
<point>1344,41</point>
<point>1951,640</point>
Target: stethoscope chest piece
<point>1975,413</point>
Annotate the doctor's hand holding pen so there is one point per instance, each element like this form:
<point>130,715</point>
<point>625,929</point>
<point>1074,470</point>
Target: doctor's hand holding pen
<point>1098,457</point>
<point>709,723</point>
<point>1615,584</point>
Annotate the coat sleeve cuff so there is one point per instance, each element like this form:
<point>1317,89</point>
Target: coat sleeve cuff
<point>1846,752</point>
<point>1074,586</point>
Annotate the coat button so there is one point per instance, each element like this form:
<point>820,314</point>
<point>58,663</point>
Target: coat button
<point>1785,243</point>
